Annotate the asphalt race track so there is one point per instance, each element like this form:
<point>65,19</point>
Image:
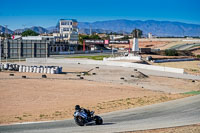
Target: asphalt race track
<point>169,114</point>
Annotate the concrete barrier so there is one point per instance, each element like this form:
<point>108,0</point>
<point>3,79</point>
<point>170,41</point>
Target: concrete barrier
<point>107,63</point>
<point>172,60</point>
<point>137,58</point>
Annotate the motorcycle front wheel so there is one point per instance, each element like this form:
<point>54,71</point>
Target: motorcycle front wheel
<point>79,121</point>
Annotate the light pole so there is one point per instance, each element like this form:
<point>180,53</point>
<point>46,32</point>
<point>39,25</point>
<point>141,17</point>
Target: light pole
<point>0,49</point>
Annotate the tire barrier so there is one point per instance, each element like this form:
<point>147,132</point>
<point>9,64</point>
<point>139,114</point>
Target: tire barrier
<point>31,69</point>
<point>9,67</point>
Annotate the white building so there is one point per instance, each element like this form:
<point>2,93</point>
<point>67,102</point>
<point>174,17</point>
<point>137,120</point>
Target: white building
<point>68,30</point>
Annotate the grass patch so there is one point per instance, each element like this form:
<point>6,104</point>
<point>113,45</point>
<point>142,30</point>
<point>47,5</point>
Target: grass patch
<point>25,115</point>
<point>192,93</point>
<point>42,115</point>
<point>57,113</point>
<point>20,118</point>
<point>193,70</point>
<point>98,57</point>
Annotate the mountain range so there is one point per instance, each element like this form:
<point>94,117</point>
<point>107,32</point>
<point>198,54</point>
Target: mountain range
<point>5,30</point>
<point>158,28</point>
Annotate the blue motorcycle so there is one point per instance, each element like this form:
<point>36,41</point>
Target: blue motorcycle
<point>82,118</point>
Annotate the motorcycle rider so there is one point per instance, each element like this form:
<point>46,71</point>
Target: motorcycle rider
<point>79,109</point>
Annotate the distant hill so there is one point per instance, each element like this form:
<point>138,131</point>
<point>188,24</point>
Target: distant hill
<point>87,31</point>
<point>158,28</point>
<point>52,29</point>
<point>4,30</point>
<point>37,29</point>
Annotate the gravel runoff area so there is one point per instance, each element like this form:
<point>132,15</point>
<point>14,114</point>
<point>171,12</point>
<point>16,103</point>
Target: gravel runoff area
<point>182,129</point>
<point>99,88</point>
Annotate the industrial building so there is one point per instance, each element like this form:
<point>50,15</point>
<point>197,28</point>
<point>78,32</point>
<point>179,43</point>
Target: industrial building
<point>25,48</point>
<point>35,47</point>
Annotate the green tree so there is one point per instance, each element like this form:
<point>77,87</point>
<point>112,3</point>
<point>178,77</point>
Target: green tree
<point>137,33</point>
<point>29,33</point>
<point>94,37</point>
<point>83,37</point>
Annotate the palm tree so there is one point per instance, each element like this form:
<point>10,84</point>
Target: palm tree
<point>137,33</point>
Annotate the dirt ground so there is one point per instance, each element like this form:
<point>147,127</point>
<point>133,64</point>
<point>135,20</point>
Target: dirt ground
<point>196,52</point>
<point>153,44</point>
<point>183,129</point>
<point>103,89</point>
<point>191,67</point>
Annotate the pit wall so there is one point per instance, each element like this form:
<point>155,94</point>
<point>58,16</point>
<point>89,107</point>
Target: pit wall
<point>106,63</point>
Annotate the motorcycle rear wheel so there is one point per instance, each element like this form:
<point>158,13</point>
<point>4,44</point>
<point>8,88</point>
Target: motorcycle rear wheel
<point>98,120</point>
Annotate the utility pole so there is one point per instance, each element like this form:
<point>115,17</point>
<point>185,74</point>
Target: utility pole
<point>46,52</point>
<point>19,51</point>
<point>0,49</point>
<point>90,30</point>
<point>6,32</point>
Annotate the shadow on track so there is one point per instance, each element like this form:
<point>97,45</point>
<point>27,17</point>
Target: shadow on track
<point>93,124</point>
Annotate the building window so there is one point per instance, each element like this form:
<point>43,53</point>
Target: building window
<point>63,23</point>
<point>66,23</point>
<point>65,29</point>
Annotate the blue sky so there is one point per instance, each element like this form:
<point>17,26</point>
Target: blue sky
<point>46,13</point>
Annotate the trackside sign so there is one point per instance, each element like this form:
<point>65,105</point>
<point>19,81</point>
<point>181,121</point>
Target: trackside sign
<point>94,41</point>
<point>119,42</point>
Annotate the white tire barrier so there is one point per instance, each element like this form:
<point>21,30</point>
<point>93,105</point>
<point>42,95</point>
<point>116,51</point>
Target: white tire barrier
<point>34,69</point>
<point>20,68</point>
<point>52,71</point>
<point>45,70</point>
<point>41,69</point>
<point>27,69</point>
<point>48,70</point>
<point>37,70</point>
<point>31,69</point>
<point>24,69</point>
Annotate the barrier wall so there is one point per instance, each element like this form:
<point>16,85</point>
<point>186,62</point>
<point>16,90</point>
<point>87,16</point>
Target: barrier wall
<point>172,60</point>
<point>107,63</point>
<point>137,58</point>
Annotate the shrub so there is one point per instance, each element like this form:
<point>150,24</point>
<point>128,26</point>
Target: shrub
<point>198,56</point>
<point>171,52</point>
